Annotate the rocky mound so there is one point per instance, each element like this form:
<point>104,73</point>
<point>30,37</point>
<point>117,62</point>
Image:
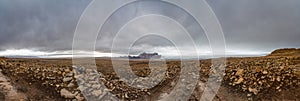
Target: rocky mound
<point>286,52</point>
<point>259,76</point>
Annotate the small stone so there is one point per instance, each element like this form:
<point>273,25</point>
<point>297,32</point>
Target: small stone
<point>281,67</point>
<point>71,85</point>
<point>97,92</point>
<point>96,86</point>
<point>249,95</point>
<point>257,70</point>
<point>79,97</point>
<point>66,79</point>
<point>140,86</point>
<point>79,76</point>
<point>82,88</point>
<point>51,78</point>
<point>240,80</point>
<point>265,72</point>
<point>126,95</point>
<point>253,90</point>
<point>259,82</point>
<point>67,70</point>
<point>278,78</point>
<point>173,83</point>
<point>278,87</point>
<point>239,72</point>
<point>67,94</point>
<point>70,74</point>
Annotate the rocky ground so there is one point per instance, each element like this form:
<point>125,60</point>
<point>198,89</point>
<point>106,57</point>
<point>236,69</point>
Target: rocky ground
<point>272,77</point>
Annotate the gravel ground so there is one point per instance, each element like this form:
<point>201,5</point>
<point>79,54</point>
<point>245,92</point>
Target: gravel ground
<point>272,77</point>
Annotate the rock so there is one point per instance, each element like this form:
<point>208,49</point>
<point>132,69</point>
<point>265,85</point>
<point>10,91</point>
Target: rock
<point>67,94</point>
<point>57,85</point>
<point>257,70</point>
<point>240,80</point>
<point>71,85</point>
<point>70,74</point>
<point>97,92</point>
<point>51,78</point>
<point>126,95</point>
<point>96,86</point>
<point>82,88</point>
<point>239,72</point>
<point>249,95</point>
<point>265,72</point>
<point>66,79</point>
<point>67,70</point>
<point>278,78</point>
<point>79,97</point>
<point>253,90</point>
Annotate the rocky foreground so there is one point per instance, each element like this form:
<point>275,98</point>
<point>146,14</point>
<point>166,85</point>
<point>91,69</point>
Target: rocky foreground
<point>272,77</point>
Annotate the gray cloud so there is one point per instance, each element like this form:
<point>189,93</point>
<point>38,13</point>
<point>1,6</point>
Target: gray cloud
<point>259,24</point>
<point>39,24</point>
<point>140,24</point>
<point>48,25</point>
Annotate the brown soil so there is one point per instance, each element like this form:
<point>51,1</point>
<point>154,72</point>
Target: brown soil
<point>23,77</point>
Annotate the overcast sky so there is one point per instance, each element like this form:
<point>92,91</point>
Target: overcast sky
<point>250,26</point>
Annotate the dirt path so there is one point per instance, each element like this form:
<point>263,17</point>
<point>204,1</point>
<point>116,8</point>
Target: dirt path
<point>7,91</point>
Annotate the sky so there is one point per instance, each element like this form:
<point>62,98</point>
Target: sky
<point>46,27</point>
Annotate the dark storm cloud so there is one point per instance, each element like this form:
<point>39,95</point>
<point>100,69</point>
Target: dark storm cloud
<point>248,24</point>
<point>135,13</point>
<point>259,24</point>
<point>39,24</point>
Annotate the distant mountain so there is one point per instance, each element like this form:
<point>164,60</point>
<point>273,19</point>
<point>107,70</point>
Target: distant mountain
<point>145,56</point>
